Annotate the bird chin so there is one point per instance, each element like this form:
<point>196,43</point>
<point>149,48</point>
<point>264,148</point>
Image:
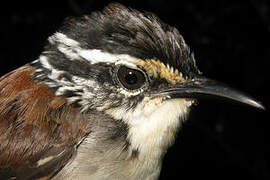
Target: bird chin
<point>153,124</point>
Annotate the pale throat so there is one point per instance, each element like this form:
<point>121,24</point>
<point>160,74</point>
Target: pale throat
<point>153,124</point>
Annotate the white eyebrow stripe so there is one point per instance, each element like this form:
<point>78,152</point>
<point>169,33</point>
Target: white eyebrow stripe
<point>97,56</point>
<point>73,50</point>
<point>63,39</point>
<point>71,53</point>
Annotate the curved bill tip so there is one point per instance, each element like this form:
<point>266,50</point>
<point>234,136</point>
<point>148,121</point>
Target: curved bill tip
<point>253,103</point>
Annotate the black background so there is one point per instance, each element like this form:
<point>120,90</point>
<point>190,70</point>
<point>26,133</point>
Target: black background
<point>230,40</point>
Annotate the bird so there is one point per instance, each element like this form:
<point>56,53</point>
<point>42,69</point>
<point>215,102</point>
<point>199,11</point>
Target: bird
<point>104,100</point>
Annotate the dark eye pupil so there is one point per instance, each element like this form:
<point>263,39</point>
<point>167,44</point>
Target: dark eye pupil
<point>131,78</point>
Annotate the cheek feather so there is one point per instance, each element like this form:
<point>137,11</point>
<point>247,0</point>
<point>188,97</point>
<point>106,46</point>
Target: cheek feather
<point>153,123</point>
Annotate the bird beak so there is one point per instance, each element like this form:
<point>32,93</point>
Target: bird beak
<point>202,87</point>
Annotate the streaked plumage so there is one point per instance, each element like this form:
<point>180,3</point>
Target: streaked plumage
<point>103,101</point>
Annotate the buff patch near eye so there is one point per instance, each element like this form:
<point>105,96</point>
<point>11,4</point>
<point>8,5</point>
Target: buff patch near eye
<point>160,70</point>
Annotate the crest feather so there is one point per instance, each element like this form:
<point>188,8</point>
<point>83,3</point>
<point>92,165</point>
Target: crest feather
<point>121,30</point>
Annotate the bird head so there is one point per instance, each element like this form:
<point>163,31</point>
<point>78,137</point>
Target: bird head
<point>103,101</point>
<point>131,66</point>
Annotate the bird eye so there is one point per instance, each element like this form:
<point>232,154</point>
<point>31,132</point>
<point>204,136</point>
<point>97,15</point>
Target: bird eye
<point>130,78</point>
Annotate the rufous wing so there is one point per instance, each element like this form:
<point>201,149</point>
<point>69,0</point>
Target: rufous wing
<point>39,131</point>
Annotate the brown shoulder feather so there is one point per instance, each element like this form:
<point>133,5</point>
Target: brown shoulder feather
<point>38,130</point>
